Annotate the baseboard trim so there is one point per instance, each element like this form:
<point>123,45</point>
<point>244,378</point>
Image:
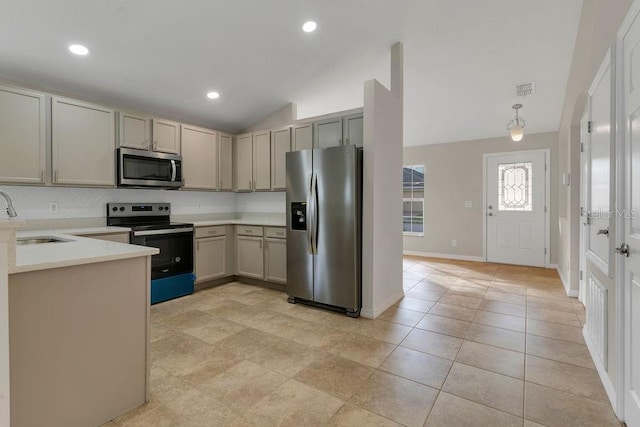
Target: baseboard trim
<point>377,311</point>
<point>446,256</point>
<point>602,372</point>
<point>565,283</point>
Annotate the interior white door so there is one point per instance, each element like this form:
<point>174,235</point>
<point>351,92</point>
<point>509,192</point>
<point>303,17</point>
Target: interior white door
<point>516,207</point>
<point>631,275</point>
<point>584,201</point>
<point>599,149</point>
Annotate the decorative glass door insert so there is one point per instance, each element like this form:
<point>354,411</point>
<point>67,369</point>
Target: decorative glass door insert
<point>515,187</point>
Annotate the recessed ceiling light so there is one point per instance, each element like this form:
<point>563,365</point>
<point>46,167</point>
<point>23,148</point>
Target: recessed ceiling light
<point>309,26</point>
<point>78,49</point>
<point>213,95</point>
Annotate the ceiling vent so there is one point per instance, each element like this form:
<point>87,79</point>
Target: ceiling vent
<point>525,89</point>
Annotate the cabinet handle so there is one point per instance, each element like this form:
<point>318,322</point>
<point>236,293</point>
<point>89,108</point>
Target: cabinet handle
<point>346,141</point>
<point>248,231</point>
<point>266,244</point>
<point>260,244</point>
<point>145,143</point>
<point>55,176</point>
<point>249,184</point>
<point>155,144</point>
<point>42,175</point>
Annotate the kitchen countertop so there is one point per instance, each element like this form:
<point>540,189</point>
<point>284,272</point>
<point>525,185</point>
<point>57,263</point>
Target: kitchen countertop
<point>76,251</point>
<point>82,250</point>
<point>264,223</point>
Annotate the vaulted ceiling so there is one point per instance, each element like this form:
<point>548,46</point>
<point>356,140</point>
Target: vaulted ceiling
<point>462,58</point>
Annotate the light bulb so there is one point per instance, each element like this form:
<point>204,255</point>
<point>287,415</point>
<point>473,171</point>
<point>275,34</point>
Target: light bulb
<point>309,26</point>
<point>213,95</point>
<point>78,49</point>
<point>517,132</point>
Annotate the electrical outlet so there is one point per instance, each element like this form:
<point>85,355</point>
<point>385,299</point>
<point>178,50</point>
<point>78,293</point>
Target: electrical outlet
<point>454,242</point>
<point>468,204</point>
<point>53,207</point>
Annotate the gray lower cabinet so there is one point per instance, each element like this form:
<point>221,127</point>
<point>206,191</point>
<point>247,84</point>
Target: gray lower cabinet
<point>275,260</point>
<point>249,258</point>
<point>211,253</point>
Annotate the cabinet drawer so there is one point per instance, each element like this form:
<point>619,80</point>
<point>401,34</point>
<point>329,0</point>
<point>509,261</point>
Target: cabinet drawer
<point>276,232</point>
<point>248,230</point>
<point>212,231</point>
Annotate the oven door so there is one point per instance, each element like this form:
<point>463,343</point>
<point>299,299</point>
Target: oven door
<point>176,250</point>
<point>140,168</point>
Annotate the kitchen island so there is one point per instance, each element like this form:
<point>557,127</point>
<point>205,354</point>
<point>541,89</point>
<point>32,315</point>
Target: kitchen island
<point>78,330</point>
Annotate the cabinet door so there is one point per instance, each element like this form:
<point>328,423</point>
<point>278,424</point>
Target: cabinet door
<point>353,130</point>
<point>262,160</point>
<point>225,162</point>
<point>22,136</point>
<point>211,258</point>
<point>275,260</point>
<point>82,143</point>
<point>134,131</point>
<point>328,133</point>
<point>244,162</point>
<point>199,158</point>
<point>302,137</point>
<point>249,256</point>
<point>166,136</point>
<point>280,146</point>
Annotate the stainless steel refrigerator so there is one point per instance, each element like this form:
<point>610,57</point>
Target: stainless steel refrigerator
<point>324,227</point>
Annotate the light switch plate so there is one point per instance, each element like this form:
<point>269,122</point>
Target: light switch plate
<point>468,204</point>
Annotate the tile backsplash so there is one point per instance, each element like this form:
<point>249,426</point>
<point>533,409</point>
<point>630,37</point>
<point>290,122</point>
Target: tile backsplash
<point>33,202</point>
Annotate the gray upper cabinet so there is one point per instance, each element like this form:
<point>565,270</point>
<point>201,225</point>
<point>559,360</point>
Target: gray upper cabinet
<point>302,137</point>
<point>199,158</point>
<point>244,162</point>
<point>134,131</point>
<point>225,156</point>
<point>166,136</point>
<point>22,136</point>
<point>82,143</point>
<point>262,160</point>
<point>352,130</point>
<point>280,146</point>
<point>328,133</point>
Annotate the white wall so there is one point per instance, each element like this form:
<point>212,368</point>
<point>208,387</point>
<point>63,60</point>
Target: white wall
<point>382,200</point>
<point>32,203</point>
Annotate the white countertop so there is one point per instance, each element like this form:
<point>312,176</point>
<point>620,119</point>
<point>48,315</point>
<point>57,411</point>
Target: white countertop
<point>82,250</point>
<point>264,223</point>
<point>78,250</point>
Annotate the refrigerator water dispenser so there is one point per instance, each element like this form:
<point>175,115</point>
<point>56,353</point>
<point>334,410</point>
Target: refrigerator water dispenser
<point>298,216</point>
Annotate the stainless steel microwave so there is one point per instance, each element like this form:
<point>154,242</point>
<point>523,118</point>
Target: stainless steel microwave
<point>142,168</point>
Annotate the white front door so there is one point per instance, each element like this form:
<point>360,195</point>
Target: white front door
<point>516,207</point>
<point>631,215</point>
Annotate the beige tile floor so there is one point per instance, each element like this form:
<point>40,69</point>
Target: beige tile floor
<point>471,344</point>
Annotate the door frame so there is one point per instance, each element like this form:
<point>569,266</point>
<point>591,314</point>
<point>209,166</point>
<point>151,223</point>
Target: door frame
<point>547,198</point>
<point>585,184</point>
<point>621,165</point>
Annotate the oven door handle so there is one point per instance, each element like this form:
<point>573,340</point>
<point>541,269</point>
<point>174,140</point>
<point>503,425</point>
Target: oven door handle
<point>174,171</point>
<point>158,232</point>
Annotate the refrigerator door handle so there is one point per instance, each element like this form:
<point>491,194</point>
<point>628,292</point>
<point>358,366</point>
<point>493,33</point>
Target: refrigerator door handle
<point>309,214</point>
<point>314,200</point>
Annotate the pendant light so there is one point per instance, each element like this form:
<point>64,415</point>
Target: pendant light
<point>516,126</point>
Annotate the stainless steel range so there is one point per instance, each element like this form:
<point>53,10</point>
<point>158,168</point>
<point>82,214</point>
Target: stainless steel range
<point>172,269</point>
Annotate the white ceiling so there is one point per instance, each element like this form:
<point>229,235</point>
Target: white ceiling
<point>462,57</point>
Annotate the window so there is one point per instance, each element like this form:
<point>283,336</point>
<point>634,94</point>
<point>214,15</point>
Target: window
<point>515,190</point>
<point>413,200</point>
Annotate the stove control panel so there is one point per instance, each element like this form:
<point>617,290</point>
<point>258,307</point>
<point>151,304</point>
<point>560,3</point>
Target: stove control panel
<point>138,209</point>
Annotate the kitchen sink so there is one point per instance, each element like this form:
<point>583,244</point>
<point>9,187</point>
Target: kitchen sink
<point>39,239</point>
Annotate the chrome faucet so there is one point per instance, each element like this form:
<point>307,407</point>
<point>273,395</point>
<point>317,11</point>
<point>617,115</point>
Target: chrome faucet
<point>10,210</point>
